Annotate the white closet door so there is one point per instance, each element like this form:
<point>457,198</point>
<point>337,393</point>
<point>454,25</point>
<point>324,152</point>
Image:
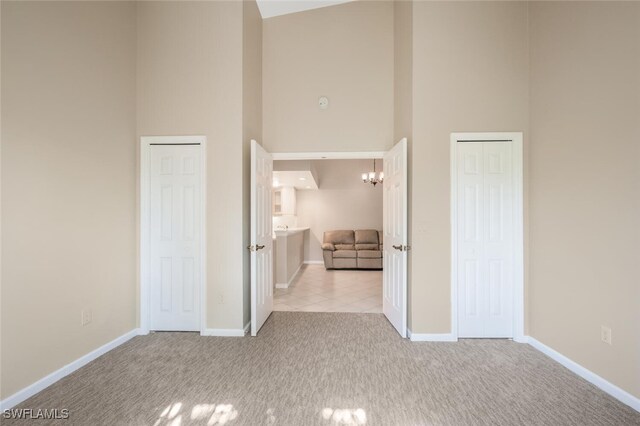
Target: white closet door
<point>175,237</point>
<point>485,239</point>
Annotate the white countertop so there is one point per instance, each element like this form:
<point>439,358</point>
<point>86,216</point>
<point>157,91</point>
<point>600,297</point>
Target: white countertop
<point>289,231</point>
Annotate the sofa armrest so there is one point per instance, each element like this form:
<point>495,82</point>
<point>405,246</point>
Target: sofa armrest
<point>328,246</point>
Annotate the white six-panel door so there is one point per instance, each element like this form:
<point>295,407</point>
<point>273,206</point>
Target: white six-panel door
<point>261,245</point>
<point>485,239</point>
<point>395,246</point>
<point>175,237</point>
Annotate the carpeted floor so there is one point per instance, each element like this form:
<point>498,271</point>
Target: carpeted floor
<point>323,369</point>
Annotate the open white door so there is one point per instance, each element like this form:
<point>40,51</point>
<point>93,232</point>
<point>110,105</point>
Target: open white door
<point>394,283</point>
<point>261,241</point>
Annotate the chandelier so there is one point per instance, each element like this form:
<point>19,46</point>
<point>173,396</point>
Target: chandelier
<point>372,177</point>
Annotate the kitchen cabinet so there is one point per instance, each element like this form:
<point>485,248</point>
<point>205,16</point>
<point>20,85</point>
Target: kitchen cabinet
<point>284,201</point>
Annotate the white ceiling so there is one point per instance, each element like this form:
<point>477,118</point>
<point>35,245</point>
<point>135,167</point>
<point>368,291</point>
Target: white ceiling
<point>299,179</point>
<point>271,8</point>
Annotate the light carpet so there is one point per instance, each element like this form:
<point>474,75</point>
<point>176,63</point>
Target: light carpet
<point>326,369</point>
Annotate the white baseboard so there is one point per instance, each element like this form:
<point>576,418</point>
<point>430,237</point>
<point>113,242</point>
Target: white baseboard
<point>286,285</point>
<point>50,379</point>
<point>613,390</point>
<point>422,337</point>
<point>521,339</point>
<point>314,262</point>
<point>223,332</point>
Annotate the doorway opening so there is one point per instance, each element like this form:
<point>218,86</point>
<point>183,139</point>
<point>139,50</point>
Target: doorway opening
<point>328,238</point>
<point>322,258</point>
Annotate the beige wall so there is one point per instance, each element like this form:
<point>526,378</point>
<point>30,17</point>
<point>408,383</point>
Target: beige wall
<point>190,81</point>
<point>470,73</point>
<point>403,69</point>
<point>1,273</point>
<point>344,52</point>
<point>585,184</point>
<point>403,104</point>
<point>251,125</point>
<point>342,201</point>
<point>68,183</point>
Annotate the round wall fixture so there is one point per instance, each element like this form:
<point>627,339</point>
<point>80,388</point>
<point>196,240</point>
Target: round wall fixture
<point>323,102</point>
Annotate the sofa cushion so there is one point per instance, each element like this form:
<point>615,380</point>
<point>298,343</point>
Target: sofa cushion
<point>344,253</point>
<point>328,246</point>
<point>345,247</point>
<point>369,263</point>
<point>366,236</point>
<point>339,237</point>
<point>345,263</point>
<point>369,254</point>
<point>367,247</point>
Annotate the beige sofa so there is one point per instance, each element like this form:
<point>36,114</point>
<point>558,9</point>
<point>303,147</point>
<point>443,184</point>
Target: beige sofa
<point>360,249</point>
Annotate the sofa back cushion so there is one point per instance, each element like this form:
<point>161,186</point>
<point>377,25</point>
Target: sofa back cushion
<point>342,240</point>
<point>366,239</point>
<point>339,238</point>
<point>366,236</point>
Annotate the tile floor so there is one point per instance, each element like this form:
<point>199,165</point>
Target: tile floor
<point>317,290</point>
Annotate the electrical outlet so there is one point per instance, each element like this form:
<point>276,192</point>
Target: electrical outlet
<point>86,317</point>
<point>605,335</point>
